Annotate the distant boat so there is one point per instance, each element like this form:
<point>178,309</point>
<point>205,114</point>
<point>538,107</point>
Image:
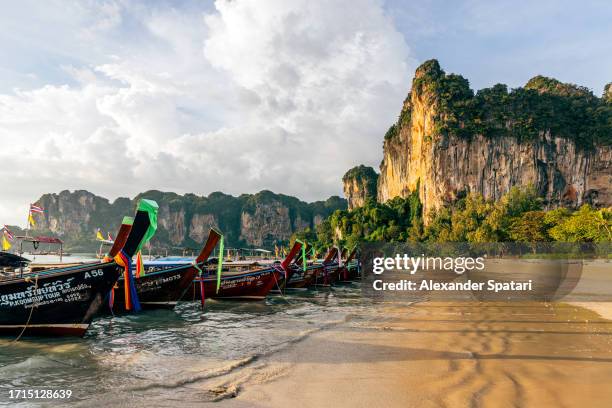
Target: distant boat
<point>242,280</point>
<point>326,272</point>
<point>253,284</point>
<point>63,301</point>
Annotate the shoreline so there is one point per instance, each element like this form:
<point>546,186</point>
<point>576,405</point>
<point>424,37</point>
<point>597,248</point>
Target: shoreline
<point>443,354</point>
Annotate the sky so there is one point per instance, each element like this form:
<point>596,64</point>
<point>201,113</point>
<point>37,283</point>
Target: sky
<point>119,97</point>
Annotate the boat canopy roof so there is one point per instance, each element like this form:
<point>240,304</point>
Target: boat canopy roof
<point>42,239</point>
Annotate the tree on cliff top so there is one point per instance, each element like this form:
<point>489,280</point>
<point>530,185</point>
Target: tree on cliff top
<point>543,105</point>
<point>365,176</point>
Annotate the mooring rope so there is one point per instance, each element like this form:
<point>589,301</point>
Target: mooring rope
<point>201,281</point>
<point>34,304</point>
<point>281,270</point>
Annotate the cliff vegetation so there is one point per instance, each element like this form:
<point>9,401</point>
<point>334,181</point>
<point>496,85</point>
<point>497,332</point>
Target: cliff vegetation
<point>516,217</point>
<point>542,105</point>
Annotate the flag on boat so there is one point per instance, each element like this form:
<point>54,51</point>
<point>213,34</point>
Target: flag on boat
<point>99,235</point>
<point>36,209</point>
<point>8,233</point>
<point>6,245</point>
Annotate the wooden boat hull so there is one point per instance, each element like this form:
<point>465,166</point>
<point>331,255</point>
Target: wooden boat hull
<point>159,288</point>
<point>282,281</point>
<point>327,275</point>
<point>302,279</point>
<point>58,303</point>
<point>253,285</point>
<point>348,273</point>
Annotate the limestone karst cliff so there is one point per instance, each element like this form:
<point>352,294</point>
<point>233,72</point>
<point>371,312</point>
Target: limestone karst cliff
<point>260,220</point>
<point>449,141</point>
<point>360,183</point>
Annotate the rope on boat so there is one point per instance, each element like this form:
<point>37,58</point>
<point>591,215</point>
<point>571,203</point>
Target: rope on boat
<point>202,295</point>
<point>25,327</point>
<point>277,285</point>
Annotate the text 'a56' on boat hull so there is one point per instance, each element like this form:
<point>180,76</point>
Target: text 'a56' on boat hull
<point>62,303</point>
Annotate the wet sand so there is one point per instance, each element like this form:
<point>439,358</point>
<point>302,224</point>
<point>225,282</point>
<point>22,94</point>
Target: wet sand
<point>445,354</point>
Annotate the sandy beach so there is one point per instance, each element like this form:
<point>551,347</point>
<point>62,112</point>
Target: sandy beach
<point>440,355</point>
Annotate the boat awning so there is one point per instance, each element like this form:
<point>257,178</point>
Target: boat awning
<point>44,240</point>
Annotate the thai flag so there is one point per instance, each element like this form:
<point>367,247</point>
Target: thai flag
<point>8,234</point>
<point>36,209</point>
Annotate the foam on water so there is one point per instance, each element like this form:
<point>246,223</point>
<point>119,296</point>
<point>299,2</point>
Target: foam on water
<point>154,354</point>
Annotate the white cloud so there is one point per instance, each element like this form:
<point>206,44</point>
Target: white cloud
<point>254,94</point>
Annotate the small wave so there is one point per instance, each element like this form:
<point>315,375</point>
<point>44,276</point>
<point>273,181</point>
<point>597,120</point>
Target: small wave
<point>190,380</point>
<point>31,363</point>
<point>231,390</point>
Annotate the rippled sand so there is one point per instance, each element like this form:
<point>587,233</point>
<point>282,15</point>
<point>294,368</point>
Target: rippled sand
<point>442,354</point>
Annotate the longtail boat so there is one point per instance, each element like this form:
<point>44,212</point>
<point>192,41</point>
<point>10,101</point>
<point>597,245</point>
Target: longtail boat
<point>348,269</point>
<point>318,273</point>
<point>165,282</point>
<point>352,265</point>
<point>303,274</point>
<point>239,280</point>
<point>326,272</point>
<point>63,301</point>
<point>255,283</point>
<point>288,265</point>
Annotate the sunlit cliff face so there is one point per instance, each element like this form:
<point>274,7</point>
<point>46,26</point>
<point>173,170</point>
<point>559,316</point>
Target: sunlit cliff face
<point>443,166</point>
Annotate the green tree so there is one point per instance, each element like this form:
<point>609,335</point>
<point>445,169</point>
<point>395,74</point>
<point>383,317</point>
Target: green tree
<point>584,225</point>
<point>529,227</point>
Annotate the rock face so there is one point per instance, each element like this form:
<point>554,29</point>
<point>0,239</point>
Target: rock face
<point>200,225</point>
<point>360,184</point>
<point>607,95</point>
<point>80,213</point>
<point>268,223</point>
<point>448,142</point>
<point>261,220</point>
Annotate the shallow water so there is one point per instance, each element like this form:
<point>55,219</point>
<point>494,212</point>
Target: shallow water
<point>162,350</point>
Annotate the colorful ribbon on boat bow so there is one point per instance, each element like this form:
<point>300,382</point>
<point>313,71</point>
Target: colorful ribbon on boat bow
<point>131,295</point>
<point>220,264</point>
<point>304,260</point>
<point>139,265</point>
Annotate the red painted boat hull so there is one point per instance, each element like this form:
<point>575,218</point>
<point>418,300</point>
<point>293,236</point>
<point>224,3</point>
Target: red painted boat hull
<point>251,285</point>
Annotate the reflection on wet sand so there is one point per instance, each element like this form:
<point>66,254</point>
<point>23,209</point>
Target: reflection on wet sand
<point>450,354</point>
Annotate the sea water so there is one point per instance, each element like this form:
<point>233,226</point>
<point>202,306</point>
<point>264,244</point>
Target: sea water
<point>158,354</point>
